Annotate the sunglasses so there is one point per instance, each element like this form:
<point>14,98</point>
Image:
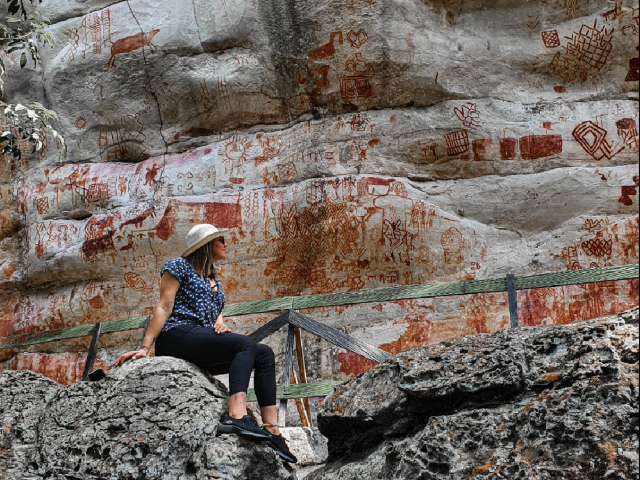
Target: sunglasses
<point>220,239</point>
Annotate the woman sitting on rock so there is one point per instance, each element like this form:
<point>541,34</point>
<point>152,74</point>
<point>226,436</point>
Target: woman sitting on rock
<point>187,323</point>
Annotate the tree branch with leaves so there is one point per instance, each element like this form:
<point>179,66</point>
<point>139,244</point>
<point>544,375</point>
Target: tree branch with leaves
<point>23,31</point>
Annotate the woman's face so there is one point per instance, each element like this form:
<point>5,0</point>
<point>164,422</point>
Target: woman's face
<point>218,249</point>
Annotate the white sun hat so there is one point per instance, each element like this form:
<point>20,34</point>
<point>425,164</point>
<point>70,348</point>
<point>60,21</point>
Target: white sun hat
<point>200,235</point>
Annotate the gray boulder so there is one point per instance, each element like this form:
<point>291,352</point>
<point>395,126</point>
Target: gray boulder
<point>543,402</point>
<point>154,418</point>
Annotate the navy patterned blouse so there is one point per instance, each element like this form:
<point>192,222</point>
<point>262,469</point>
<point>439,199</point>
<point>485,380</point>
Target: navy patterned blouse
<point>195,302</point>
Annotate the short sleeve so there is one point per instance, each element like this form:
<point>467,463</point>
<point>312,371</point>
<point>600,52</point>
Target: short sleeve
<point>175,267</point>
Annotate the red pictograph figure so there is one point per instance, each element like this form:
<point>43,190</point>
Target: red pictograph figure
<point>42,205</point>
<point>568,69</point>
<point>601,246</point>
<point>97,192</point>
<point>358,66</point>
<point>74,38</point>
<point>327,50</point>
<point>457,142</point>
<point>357,39</point>
<point>628,191</point>
<point>628,132</point>
<point>614,13</point>
<point>590,45</point>
<point>533,147</point>
<point>508,148</point>
<point>468,114</point>
<point>356,86</point>
<point>152,172</point>
<point>129,44</point>
<point>452,242</point>
<point>550,38</point>
<point>593,139</point>
<point>633,75</point>
<point>480,148</point>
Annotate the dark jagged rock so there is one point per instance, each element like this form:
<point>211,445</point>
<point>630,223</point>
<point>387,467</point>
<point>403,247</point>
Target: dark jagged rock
<point>545,403</point>
<point>153,418</point>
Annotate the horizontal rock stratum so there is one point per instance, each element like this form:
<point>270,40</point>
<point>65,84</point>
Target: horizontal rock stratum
<point>553,403</point>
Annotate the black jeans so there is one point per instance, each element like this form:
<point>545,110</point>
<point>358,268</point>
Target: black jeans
<point>228,353</point>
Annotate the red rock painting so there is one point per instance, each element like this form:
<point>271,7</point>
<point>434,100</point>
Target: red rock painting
<point>222,215</point>
<point>480,148</point>
<point>550,38</point>
<point>129,44</point>
<point>327,50</point>
<point>593,139</point>
<point>508,148</point>
<point>591,45</point>
<point>457,142</point>
<point>533,147</point>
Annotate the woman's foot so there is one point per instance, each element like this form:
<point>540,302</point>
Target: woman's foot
<point>245,426</point>
<point>278,443</point>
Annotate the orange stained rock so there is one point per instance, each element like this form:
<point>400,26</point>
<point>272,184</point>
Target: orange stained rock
<point>482,469</point>
<point>550,377</point>
<point>64,368</point>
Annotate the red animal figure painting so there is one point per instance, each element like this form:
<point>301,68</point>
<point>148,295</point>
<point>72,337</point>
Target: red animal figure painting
<point>129,44</point>
<point>326,50</point>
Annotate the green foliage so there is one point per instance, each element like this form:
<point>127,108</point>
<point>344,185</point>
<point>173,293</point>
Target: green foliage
<point>22,31</point>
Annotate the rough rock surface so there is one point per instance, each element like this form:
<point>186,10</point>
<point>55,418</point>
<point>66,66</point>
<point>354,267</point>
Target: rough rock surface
<point>350,144</point>
<point>154,418</point>
<point>543,402</point>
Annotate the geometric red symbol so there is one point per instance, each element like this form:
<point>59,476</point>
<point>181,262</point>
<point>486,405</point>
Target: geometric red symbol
<point>533,147</point>
<point>550,39</point>
<point>593,139</point>
<point>135,281</point>
<point>42,205</point>
<point>452,242</point>
<point>480,148</point>
<point>598,247</point>
<point>457,142</point>
<point>98,191</point>
<point>590,45</point>
<point>508,148</point>
<point>357,39</point>
<point>356,86</point>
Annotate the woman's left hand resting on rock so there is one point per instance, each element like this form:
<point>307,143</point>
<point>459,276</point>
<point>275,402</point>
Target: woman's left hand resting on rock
<point>133,355</point>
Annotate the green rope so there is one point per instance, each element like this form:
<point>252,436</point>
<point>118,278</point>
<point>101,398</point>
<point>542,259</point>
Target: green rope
<point>404,292</point>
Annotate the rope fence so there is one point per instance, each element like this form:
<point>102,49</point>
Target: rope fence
<point>384,294</point>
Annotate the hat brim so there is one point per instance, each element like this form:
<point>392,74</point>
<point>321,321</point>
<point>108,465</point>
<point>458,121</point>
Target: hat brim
<point>204,241</point>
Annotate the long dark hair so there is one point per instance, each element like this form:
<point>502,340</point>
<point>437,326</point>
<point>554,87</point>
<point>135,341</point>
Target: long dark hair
<point>200,260</point>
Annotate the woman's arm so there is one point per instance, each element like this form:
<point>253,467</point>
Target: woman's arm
<point>168,288</point>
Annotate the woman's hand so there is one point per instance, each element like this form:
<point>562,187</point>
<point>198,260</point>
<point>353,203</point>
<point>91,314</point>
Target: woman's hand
<point>220,327</point>
<point>133,355</point>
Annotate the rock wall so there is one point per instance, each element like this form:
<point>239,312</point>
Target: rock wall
<point>350,144</point>
<point>155,418</point>
<point>544,403</point>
